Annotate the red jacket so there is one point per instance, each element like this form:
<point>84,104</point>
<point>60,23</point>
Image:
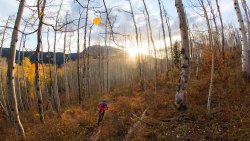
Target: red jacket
<point>102,106</point>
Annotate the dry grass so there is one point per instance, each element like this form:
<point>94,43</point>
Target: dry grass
<point>229,119</point>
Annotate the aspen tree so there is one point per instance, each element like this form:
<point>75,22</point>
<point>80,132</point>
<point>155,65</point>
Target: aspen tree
<point>164,37</point>
<point>245,53</point>
<point>37,71</point>
<point>142,83</point>
<point>55,85</point>
<point>152,41</point>
<point>210,37</point>
<point>84,50</point>
<point>185,63</point>
<point>222,31</point>
<point>247,14</point>
<point>11,67</point>
<point>65,64</point>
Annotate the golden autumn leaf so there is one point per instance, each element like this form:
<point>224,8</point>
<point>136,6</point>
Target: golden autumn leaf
<point>41,14</point>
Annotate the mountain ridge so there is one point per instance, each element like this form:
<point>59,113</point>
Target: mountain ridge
<point>45,56</point>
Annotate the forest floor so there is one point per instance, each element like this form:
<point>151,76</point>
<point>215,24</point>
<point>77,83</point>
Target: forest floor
<point>229,118</point>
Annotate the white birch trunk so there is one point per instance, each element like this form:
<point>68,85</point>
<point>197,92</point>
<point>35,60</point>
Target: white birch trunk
<point>66,85</point>
<point>212,49</point>
<point>164,38</point>
<point>18,80</point>
<point>1,73</point>
<point>55,87</point>
<point>50,108</point>
<point>84,50</point>
<point>78,61</point>
<point>142,83</point>
<point>152,41</point>
<point>222,31</point>
<point>247,14</point>
<point>37,72</point>
<point>245,53</point>
<point>11,67</point>
<point>185,63</point>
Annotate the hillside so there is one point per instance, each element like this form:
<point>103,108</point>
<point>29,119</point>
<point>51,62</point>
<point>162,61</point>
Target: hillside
<point>158,70</point>
<point>229,118</point>
<point>93,52</point>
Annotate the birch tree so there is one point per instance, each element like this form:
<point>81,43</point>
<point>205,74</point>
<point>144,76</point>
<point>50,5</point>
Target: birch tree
<point>50,76</point>
<point>85,46</point>
<point>11,67</point>
<point>3,36</point>
<point>65,64</point>
<point>55,87</point>
<point>222,31</point>
<point>152,41</point>
<point>210,37</point>
<point>164,37</point>
<point>169,34</point>
<point>185,63</point>
<point>37,72</point>
<point>27,97</point>
<point>137,43</point>
<point>20,101</point>
<point>78,60</point>
<point>245,53</point>
<point>247,14</point>
<point>2,100</point>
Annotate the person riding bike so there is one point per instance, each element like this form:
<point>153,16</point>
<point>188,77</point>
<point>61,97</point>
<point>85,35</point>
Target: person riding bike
<point>102,107</point>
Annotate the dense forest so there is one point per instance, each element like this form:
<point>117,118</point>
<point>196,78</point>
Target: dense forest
<point>114,70</point>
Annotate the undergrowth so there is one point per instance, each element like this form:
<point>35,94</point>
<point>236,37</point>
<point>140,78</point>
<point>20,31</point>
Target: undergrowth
<point>229,118</point>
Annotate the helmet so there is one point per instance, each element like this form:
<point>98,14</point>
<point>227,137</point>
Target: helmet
<point>104,100</point>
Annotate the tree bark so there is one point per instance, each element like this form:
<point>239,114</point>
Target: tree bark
<point>88,61</point>
<point>152,40</point>
<point>222,31</point>
<point>245,53</point>
<point>50,108</point>
<point>212,49</point>
<point>216,36</point>
<point>164,37</point>
<point>11,67</point>
<point>84,54</point>
<point>66,85</point>
<point>21,107</point>
<point>78,60</point>
<point>4,105</point>
<point>142,83</point>
<point>3,37</point>
<point>27,97</point>
<point>55,88</point>
<point>185,64</point>
<point>37,71</point>
<point>170,37</point>
<point>247,14</point>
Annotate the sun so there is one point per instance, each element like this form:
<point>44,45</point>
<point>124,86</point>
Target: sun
<point>97,20</point>
<point>133,52</point>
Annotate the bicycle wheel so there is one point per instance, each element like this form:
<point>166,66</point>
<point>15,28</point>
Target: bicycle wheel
<point>101,114</point>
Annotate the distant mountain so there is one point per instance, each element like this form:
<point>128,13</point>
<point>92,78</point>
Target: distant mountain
<point>93,51</point>
<point>96,50</point>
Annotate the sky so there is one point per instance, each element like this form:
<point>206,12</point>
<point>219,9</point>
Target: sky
<point>123,23</point>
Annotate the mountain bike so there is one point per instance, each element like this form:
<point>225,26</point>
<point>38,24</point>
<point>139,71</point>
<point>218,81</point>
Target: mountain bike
<point>101,116</point>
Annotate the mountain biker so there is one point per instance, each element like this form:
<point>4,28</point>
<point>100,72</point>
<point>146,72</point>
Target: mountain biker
<point>102,107</point>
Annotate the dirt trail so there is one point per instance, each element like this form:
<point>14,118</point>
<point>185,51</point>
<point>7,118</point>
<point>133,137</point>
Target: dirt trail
<point>96,134</point>
<point>98,129</point>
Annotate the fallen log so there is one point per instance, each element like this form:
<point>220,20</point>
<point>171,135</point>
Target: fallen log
<point>135,127</point>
